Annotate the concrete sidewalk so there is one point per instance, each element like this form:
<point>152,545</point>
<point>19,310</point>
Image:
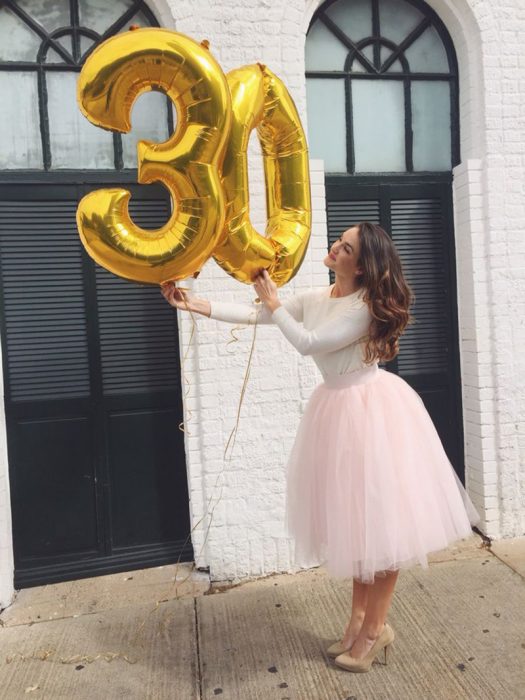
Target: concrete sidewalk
<point>460,633</point>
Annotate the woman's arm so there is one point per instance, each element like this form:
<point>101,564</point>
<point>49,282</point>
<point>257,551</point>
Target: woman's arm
<point>350,325</point>
<point>335,334</point>
<point>180,299</point>
<point>228,311</point>
<point>248,313</point>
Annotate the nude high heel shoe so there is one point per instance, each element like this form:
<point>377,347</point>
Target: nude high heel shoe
<point>362,665</point>
<point>336,649</point>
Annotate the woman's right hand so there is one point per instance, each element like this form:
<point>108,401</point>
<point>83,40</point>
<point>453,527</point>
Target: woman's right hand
<point>181,299</point>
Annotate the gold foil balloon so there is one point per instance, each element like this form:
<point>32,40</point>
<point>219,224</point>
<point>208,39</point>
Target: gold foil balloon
<point>187,164</point>
<point>260,100</point>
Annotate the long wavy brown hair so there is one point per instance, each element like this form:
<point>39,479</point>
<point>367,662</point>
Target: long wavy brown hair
<point>386,292</point>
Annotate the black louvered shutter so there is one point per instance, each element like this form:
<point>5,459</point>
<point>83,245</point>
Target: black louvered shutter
<point>92,396</point>
<point>418,231</point>
<point>47,383</point>
<point>138,335</point>
<point>45,329</point>
<point>419,219</point>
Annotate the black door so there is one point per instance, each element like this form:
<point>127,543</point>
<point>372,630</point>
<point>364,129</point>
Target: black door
<point>419,218</point>
<point>92,397</point>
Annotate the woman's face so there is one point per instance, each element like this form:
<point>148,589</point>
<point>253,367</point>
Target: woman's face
<point>344,253</point>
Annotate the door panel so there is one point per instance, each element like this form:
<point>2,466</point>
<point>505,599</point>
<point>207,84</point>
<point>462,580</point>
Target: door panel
<point>92,396</point>
<point>418,232</point>
<point>419,219</point>
<point>137,337</point>
<point>54,497</point>
<point>140,510</point>
<point>45,328</point>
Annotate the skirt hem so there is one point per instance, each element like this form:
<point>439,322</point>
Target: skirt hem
<point>369,485</point>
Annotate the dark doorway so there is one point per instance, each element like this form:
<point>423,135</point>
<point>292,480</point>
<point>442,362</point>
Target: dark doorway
<point>92,394</point>
<point>419,218</point>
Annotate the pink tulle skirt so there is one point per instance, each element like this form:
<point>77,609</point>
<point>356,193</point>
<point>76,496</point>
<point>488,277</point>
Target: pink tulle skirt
<point>370,488</point>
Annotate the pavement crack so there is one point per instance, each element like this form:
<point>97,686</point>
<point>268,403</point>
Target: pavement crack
<point>197,644</point>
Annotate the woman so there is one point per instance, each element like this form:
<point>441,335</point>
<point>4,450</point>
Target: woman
<point>370,489</point>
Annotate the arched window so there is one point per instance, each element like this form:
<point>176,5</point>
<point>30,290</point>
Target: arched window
<point>388,73</point>
<point>43,47</point>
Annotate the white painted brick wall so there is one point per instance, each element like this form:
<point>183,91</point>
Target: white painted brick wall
<point>246,535</point>
<point>473,320</point>
<point>493,369</point>
<point>481,219</point>
<point>489,215</point>
<point>6,541</point>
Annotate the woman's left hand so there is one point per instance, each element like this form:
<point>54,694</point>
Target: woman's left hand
<point>266,290</point>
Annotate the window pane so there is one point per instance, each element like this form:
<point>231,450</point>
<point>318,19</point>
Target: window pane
<point>357,66</point>
<point>323,50</point>
<point>379,125</point>
<point>396,67</point>
<point>427,54</point>
<point>17,41</point>
<point>53,56</point>
<point>67,42</point>
<point>75,142</point>
<point>101,14</point>
<point>431,125</point>
<point>149,120</point>
<point>354,17</point>
<point>20,142</point>
<point>85,44</point>
<point>327,127</point>
<point>50,14</point>
<point>397,19</point>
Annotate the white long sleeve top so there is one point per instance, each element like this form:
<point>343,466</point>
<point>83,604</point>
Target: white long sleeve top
<point>332,330</point>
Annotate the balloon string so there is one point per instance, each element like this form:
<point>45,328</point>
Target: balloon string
<point>234,337</point>
<point>209,511</point>
<point>47,654</point>
<point>233,434</point>
<point>185,379</point>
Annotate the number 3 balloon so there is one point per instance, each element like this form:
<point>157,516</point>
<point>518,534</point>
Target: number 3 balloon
<point>203,163</point>
<point>187,164</point>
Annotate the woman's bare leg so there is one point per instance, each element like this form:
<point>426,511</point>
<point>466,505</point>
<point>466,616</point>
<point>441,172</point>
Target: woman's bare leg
<point>379,598</point>
<point>359,601</point>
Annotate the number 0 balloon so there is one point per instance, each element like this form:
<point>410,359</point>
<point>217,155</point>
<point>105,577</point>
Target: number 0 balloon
<point>260,100</point>
<point>203,164</point>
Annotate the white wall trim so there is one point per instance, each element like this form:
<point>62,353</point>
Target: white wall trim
<point>7,590</point>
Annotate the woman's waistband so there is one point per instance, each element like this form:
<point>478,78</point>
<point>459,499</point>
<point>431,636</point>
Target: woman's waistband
<point>357,376</point>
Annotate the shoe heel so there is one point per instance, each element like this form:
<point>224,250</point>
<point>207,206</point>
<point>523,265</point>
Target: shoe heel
<point>385,648</point>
